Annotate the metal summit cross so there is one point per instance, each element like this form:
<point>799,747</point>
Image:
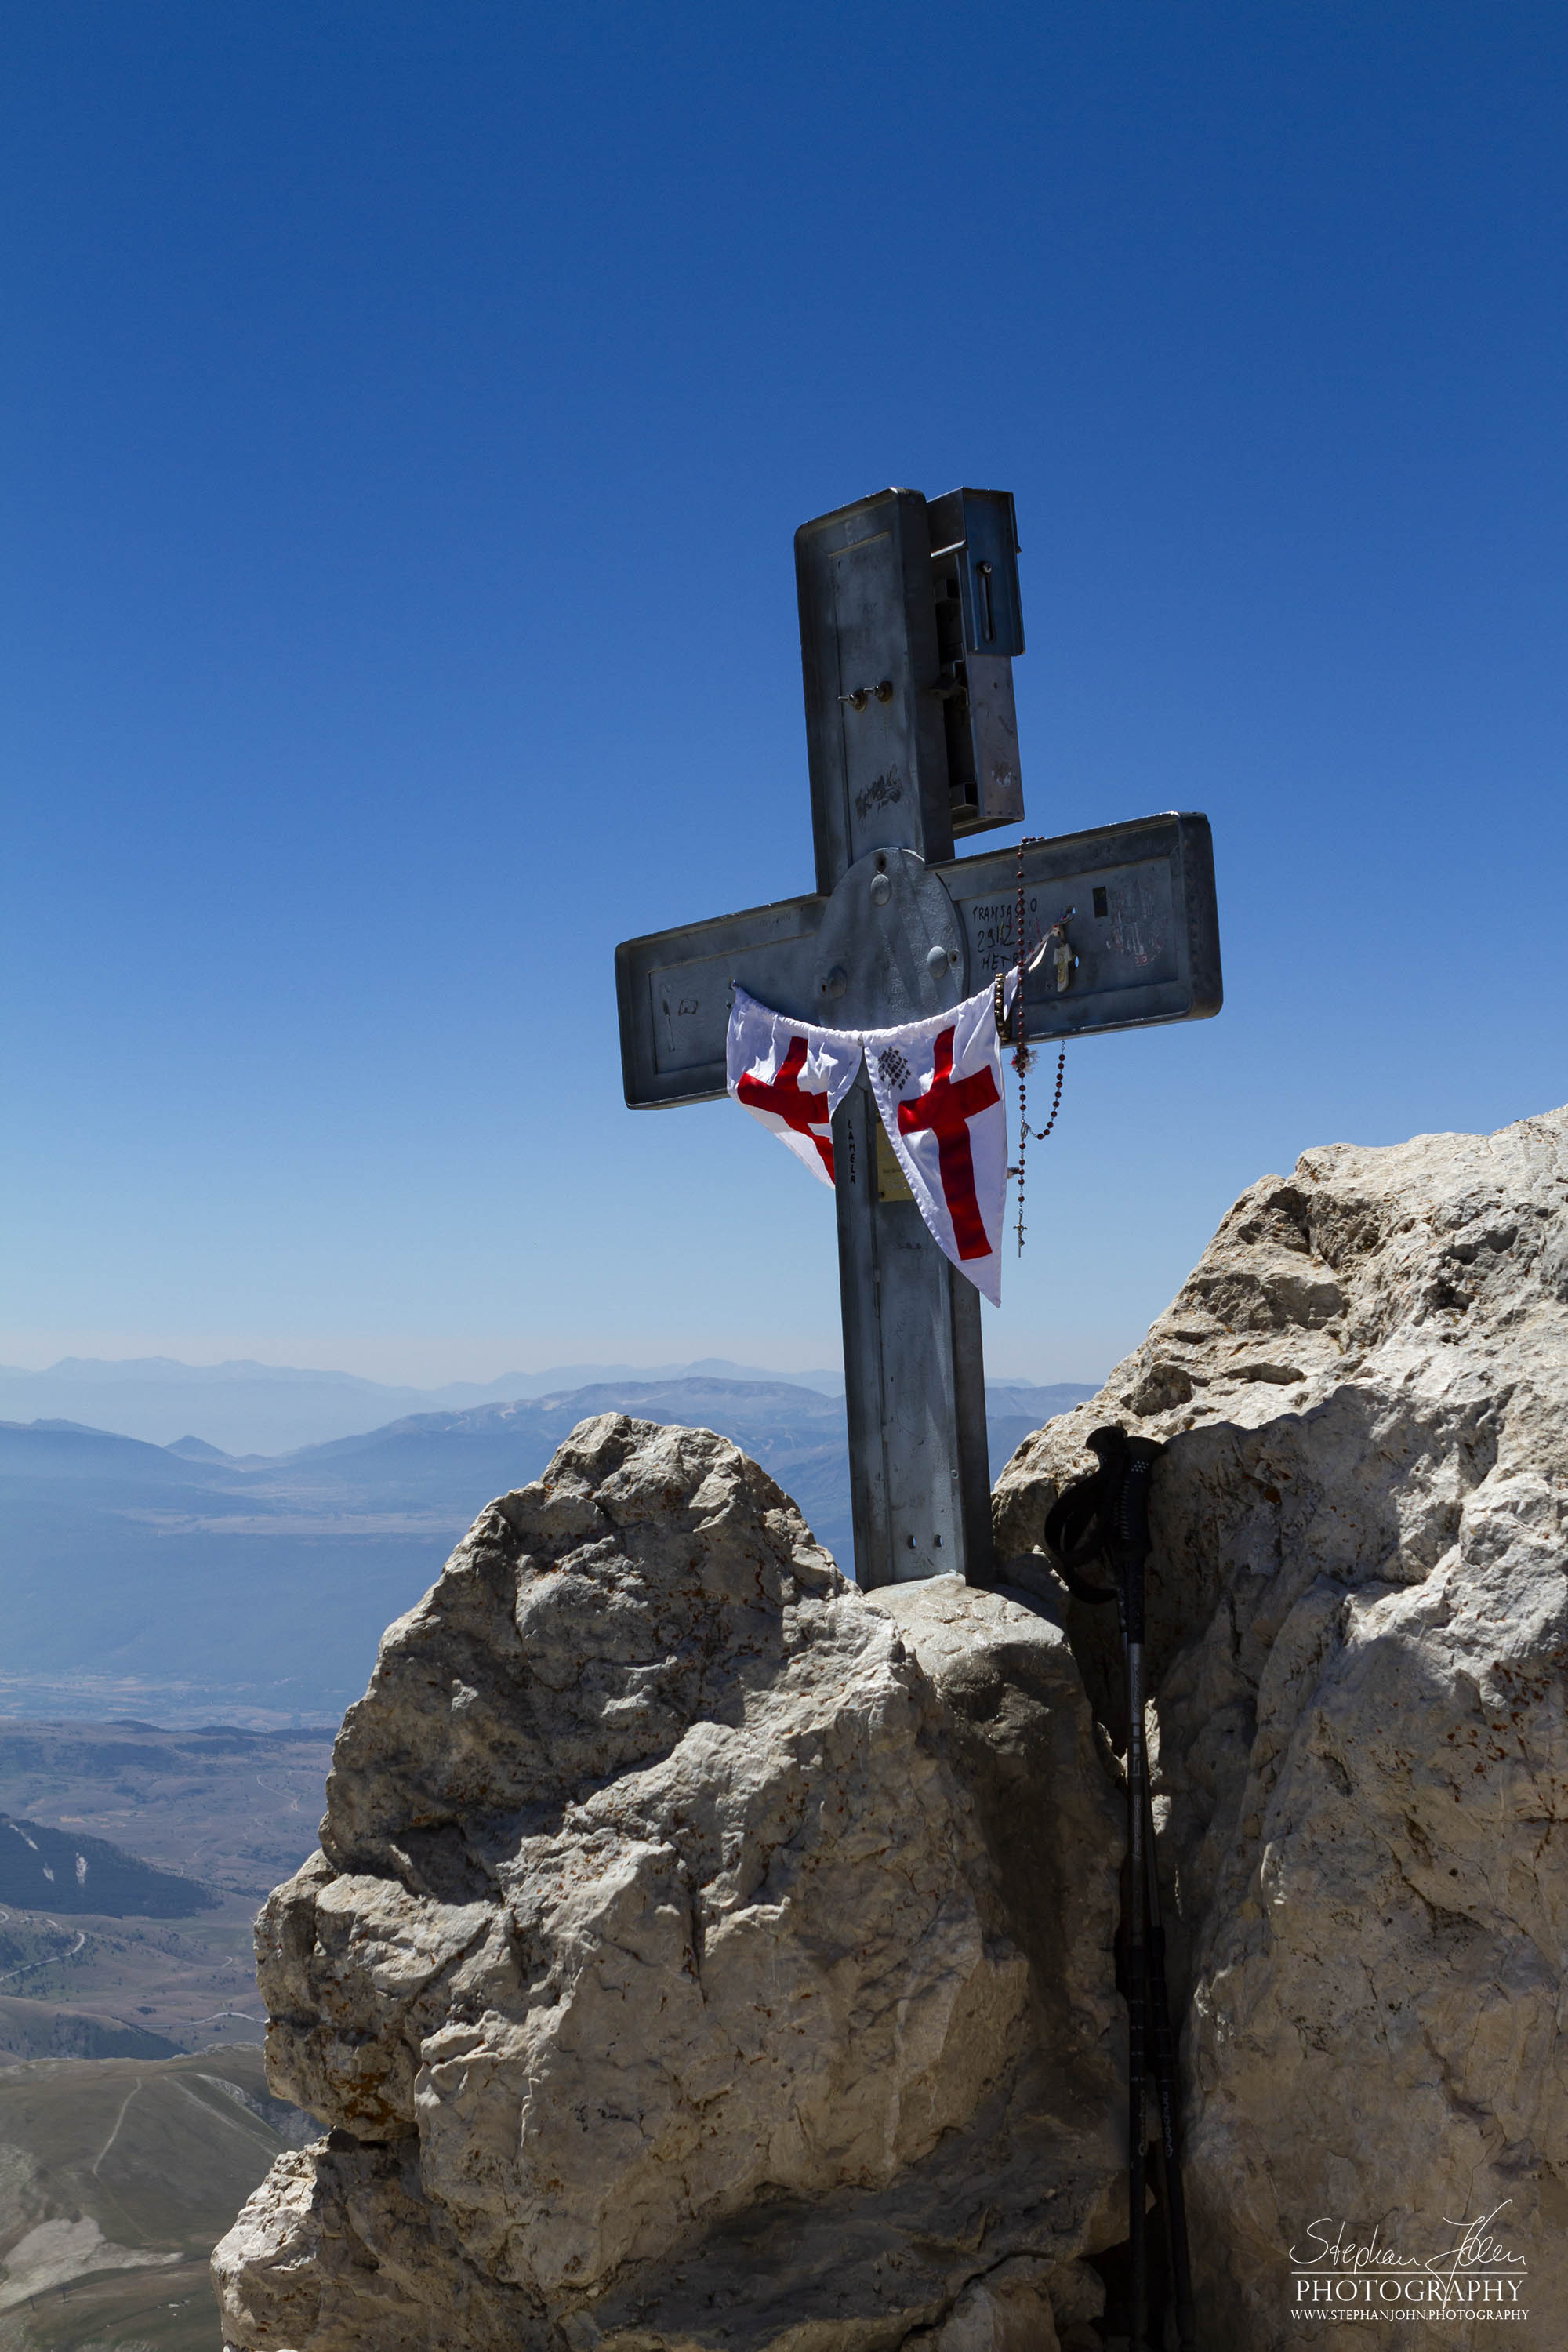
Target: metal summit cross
<point>910,619</point>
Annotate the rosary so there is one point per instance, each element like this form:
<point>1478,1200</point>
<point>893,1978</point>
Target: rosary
<point>1023,1060</point>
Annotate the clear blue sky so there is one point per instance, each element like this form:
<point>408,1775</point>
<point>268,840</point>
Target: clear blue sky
<point>408,409</point>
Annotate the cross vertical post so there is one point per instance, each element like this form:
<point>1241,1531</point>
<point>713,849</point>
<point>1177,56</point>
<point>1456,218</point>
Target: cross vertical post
<point>913,1362</point>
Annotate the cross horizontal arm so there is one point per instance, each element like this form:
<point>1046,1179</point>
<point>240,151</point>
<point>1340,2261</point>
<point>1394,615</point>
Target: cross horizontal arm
<point>674,990</point>
<point>1136,903</point>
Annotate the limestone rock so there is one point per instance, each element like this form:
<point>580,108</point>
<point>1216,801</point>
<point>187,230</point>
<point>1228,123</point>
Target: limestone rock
<point>1020,1732</point>
<point>1358,1622</point>
<point>661,1978</point>
<point>340,2250</point>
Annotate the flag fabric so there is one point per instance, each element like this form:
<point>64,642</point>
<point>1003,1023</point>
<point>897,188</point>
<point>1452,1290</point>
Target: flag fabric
<point>938,1089</point>
<point>938,1085</point>
<point>791,1076</point>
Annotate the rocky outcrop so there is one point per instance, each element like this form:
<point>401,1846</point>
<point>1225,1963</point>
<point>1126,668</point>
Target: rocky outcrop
<point>1359,1624</point>
<point>689,1958</point>
<point>702,1954</point>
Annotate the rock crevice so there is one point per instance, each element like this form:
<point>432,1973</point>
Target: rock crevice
<point>1358,1628</point>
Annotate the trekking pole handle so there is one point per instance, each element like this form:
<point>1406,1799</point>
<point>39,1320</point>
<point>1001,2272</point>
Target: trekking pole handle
<point>1130,1539</point>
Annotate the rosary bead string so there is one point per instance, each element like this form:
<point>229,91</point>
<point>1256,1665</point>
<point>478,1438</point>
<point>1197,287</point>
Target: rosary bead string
<point>1023,1058</point>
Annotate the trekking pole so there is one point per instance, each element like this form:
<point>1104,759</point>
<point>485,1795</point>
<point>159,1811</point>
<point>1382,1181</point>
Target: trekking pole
<point>1106,1515</point>
<point>1128,1547</point>
<point>1159,2040</point>
<point>1166,2089</point>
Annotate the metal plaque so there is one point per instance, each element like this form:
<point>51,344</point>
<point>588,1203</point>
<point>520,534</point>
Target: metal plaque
<point>980,628</point>
<point>975,541</point>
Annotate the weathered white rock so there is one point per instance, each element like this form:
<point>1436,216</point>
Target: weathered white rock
<point>665,1977</point>
<point>1359,1624</point>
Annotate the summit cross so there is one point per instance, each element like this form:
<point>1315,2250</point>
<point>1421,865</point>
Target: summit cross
<point>909,621</point>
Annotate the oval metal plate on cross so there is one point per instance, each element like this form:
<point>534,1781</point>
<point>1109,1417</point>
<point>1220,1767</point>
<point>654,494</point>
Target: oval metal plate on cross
<point>892,934</point>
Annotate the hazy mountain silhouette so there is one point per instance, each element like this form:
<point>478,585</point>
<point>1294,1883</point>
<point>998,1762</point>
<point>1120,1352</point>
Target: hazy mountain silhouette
<point>249,1408</point>
<point>176,1583</point>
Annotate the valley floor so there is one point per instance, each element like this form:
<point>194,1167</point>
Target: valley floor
<point>117,2177</point>
<point>236,1811</point>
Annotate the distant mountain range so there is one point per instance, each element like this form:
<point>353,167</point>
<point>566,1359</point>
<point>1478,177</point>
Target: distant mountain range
<point>180,1583</point>
<point>249,1408</point>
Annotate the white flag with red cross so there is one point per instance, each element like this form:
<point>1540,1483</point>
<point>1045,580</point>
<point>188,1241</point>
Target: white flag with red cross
<point>791,1076</point>
<point>938,1083</point>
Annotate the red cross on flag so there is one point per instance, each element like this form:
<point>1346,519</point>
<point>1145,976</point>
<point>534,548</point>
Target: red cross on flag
<point>938,1085</point>
<point>791,1076</point>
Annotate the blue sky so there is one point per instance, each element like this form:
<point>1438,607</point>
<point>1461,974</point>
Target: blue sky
<point>408,409</point>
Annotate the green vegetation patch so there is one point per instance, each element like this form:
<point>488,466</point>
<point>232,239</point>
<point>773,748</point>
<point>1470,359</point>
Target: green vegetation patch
<point>43,1869</point>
